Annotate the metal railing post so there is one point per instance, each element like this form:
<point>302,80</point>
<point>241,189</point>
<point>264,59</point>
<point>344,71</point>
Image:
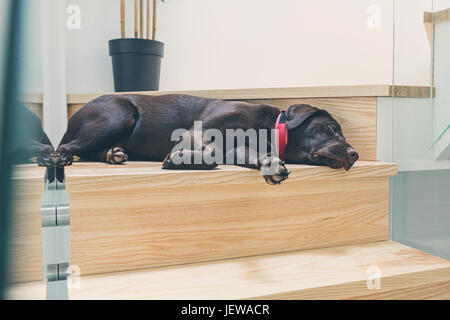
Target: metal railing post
<point>55,212</point>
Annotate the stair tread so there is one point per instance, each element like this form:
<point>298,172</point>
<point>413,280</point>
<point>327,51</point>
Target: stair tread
<point>221,174</point>
<point>330,273</point>
<point>365,90</point>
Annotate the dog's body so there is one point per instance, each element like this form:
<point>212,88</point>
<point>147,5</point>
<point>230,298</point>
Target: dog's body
<point>115,128</point>
<point>143,125</point>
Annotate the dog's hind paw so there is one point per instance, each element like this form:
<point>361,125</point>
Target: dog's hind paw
<point>116,155</point>
<point>274,171</point>
<point>55,160</point>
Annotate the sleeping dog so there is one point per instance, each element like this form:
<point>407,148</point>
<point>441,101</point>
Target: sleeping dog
<point>117,128</point>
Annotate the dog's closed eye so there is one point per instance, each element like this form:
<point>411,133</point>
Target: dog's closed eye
<point>333,128</point>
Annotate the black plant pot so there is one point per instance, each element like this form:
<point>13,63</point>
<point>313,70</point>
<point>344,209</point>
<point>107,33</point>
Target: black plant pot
<point>136,64</point>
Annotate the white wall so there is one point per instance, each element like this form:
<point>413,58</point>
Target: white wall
<point>54,97</point>
<point>252,43</point>
<point>88,63</point>
<point>412,52</point>
<point>441,5</point>
<point>240,44</point>
<point>266,43</point>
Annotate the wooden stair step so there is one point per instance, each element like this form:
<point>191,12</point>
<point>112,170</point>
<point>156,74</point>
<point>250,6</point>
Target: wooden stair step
<point>138,216</point>
<point>330,273</point>
<point>224,173</point>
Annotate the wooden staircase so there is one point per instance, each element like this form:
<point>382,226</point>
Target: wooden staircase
<point>141,232</point>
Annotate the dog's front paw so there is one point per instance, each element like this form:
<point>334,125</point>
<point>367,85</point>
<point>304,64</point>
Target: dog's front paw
<point>44,157</point>
<point>54,160</point>
<point>116,155</point>
<point>181,159</point>
<point>274,171</point>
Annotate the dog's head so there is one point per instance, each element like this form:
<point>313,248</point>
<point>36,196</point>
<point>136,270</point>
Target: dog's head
<point>316,138</point>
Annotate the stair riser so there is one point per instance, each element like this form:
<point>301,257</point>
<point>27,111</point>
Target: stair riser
<point>120,223</point>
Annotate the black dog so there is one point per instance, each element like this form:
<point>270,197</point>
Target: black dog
<point>115,128</point>
<point>30,140</point>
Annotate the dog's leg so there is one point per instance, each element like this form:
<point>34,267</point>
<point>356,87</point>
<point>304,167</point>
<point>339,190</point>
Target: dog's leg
<point>273,169</point>
<point>115,155</point>
<point>43,153</point>
<point>35,152</point>
<point>199,155</point>
<point>96,135</point>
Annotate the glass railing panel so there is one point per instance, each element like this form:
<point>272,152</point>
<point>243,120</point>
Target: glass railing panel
<point>420,202</point>
<point>421,210</point>
<point>441,79</point>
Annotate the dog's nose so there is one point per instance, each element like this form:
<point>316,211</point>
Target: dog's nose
<point>352,154</point>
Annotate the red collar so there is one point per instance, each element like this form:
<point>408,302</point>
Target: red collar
<point>281,134</point>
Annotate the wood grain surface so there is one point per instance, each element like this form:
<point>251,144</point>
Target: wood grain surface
<point>330,273</point>
<point>357,116</point>
<point>138,216</point>
<point>437,17</point>
<point>378,90</point>
<point>283,93</point>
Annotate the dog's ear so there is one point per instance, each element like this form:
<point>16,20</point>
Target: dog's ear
<point>297,114</point>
